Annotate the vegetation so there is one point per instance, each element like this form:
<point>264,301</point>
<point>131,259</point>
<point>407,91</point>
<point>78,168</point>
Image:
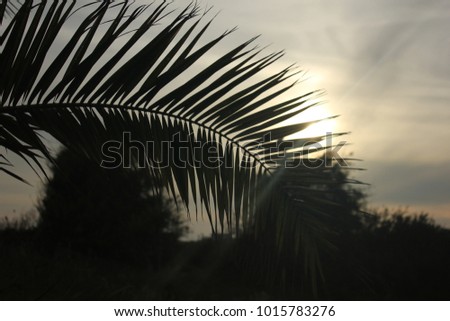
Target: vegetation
<point>393,256</point>
<point>80,249</point>
<point>297,232</point>
<point>116,214</point>
<point>153,89</point>
<point>390,256</point>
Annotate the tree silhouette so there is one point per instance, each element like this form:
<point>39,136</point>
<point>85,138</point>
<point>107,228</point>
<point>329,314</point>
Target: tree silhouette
<point>394,255</point>
<point>119,214</point>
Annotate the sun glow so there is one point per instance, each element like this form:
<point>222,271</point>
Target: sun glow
<point>326,123</point>
<point>320,128</point>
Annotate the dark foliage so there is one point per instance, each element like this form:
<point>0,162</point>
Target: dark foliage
<point>389,257</point>
<point>393,256</point>
<point>118,214</point>
<point>281,270</point>
<point>100,231</point>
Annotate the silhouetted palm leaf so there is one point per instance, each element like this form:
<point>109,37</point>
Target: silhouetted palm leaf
<point>120,71</point>
<point>8,8</point>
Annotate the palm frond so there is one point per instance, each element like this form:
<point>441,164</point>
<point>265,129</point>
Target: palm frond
<point>8,8</point>
<point>120,72</point>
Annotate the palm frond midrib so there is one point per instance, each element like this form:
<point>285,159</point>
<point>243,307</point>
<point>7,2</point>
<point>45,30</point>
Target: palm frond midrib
<point>68,106</point>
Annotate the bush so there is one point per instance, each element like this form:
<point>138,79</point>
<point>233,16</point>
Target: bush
<point>395,255</point>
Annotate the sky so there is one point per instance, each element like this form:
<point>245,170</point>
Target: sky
<point>385,68</point>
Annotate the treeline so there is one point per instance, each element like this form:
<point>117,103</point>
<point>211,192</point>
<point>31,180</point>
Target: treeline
<point>114,235</point>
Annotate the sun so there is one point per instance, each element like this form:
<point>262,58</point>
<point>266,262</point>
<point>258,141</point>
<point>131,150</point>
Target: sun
<point>319,111</point>
<point>321,128</point>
